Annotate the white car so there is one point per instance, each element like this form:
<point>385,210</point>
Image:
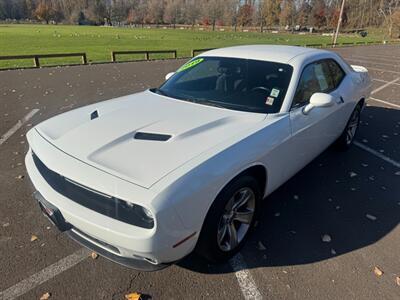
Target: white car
<point>147,178</point>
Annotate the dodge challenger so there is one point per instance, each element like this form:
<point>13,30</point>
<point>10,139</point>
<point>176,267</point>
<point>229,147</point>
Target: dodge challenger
<point>147,178</point>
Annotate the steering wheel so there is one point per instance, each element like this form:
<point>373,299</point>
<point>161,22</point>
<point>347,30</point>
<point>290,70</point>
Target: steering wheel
<point>261,89</point>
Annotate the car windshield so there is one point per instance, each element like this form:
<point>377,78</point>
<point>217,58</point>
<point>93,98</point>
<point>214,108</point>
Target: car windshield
<point>233,83</point>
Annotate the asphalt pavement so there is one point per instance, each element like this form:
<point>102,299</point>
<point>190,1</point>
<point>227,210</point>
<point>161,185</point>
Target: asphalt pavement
<point>350,198</point>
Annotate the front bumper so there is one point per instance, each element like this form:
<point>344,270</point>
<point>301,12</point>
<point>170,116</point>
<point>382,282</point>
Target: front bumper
<point>102,248</point>
<point>95,230</point>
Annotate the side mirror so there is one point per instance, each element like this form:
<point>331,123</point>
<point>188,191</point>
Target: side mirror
<point>169,75</point>
<point>319,100</point>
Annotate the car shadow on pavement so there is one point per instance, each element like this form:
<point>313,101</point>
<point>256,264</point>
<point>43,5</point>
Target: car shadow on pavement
<point>350,198</point>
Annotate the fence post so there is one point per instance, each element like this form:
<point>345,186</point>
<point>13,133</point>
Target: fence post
<point>146,55</point>
<point>36,61</point>
<point>175,54</point>
<point>84,59</point>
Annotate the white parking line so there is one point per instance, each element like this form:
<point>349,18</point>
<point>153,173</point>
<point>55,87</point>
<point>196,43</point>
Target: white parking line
<point>380,58</point>
<point>372,62</point>
<point>42,276</point>
<point>377,154</point>
<point>383,81</point>
<point>17,126</point>
<point>382,70</point>
<point>385,102</point>
<point>246,282</point>
<point>384,86</point>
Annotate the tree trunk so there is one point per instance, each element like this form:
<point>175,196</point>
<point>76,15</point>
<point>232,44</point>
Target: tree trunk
<point>213,25</point>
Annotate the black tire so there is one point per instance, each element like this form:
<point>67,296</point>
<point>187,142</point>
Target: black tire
<point>345,141</point>
<point>208,245</point>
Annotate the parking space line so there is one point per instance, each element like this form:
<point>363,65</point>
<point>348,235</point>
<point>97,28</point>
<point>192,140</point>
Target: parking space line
<point>365,57</point>
<point>372,63</point>
<point>384,81</point>
<point>384,86</point>
<point>245,279</point>
<point>17,126</point>
<point>382,70</point>
<point>377,154</point>
<point>44,275</point>
<point>385,102</point>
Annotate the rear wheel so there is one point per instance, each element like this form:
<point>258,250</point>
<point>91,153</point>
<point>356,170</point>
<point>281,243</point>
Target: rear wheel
<point>229,220</point>
<point>347,137</point>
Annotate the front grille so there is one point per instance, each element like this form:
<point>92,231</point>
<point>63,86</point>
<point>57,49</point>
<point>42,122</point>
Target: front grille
<point>89,198</point>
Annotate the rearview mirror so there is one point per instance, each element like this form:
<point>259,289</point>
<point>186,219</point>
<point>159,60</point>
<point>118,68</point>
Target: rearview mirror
<point>318,100</point>
<point>169,75</point>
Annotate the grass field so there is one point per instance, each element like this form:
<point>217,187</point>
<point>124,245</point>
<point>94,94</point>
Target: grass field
<point>98,42</point>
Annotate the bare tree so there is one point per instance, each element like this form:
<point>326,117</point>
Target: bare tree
<point>387,10</point>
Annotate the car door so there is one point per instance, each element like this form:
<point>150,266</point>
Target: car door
<point>315,131</point>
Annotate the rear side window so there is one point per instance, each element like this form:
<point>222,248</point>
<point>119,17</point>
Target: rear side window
<point>337,72</point>
<point>315,78</point>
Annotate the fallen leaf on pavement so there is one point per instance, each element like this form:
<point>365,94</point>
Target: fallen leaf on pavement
<point>326,238</point>
<point>33,238</point>
<point>45,296</point>
<point>94,255</point>
<point>20,177</point>
<point>133,296</point>
<point>398,280</point>
<point>371,217</point>
<point>378,272</point>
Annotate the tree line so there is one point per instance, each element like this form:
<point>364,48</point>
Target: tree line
<point>235,13</point>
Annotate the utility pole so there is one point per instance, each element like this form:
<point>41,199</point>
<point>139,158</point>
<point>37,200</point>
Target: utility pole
<point>339,23</point>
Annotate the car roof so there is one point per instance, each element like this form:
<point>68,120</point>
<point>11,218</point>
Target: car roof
<point>274,53</point>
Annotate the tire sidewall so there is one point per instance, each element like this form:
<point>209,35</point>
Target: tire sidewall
<point>207,245</point>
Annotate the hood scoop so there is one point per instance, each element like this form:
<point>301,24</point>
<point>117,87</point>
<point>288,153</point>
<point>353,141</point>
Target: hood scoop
<point>148,136</point>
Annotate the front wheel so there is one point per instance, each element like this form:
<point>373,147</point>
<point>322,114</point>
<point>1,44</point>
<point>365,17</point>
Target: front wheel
<point>229,220</point>
<point>347,137</point>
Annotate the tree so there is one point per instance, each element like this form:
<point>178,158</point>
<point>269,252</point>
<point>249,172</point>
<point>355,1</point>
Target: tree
<point>191,12</point>
<point>318,18</point>
<point>44,11</point>
<point>245,15</point>
<point>213,10</point>
<point>396,20</point>
<point>173,11</point>
<point>387,10</point>
<point>155,11</point>
<point>288,13</point>
<point>272,11</point>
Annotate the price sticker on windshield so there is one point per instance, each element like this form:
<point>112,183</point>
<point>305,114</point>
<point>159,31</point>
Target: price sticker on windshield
<point>274,93</point>
<point>190,64</point>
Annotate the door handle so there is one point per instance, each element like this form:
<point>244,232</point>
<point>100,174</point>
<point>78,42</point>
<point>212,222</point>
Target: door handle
<point>341,100</point>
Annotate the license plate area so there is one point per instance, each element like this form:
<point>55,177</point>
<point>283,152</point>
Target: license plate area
<point>51,212</point>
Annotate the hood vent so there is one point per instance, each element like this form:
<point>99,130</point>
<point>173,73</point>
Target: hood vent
<point>94,115</point>
<point>151,136</point>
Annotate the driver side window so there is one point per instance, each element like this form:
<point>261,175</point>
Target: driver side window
<point>314,79</point>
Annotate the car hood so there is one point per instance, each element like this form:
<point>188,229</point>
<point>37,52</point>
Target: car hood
<point>142,137</point>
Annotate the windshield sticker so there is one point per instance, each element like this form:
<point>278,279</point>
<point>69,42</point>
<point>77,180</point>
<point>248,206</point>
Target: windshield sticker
<point>270,101</point>
<point>190,64</point>
<point>274,93</point>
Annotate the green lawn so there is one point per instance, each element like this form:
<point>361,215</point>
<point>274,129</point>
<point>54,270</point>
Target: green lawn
<point>98,42</point>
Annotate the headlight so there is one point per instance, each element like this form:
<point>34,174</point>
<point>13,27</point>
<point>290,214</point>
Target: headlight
<point>139,215</point>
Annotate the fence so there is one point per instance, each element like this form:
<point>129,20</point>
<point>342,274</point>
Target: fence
<point>194,51</point>
<point>36,57</point>
<point>146,53</point>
